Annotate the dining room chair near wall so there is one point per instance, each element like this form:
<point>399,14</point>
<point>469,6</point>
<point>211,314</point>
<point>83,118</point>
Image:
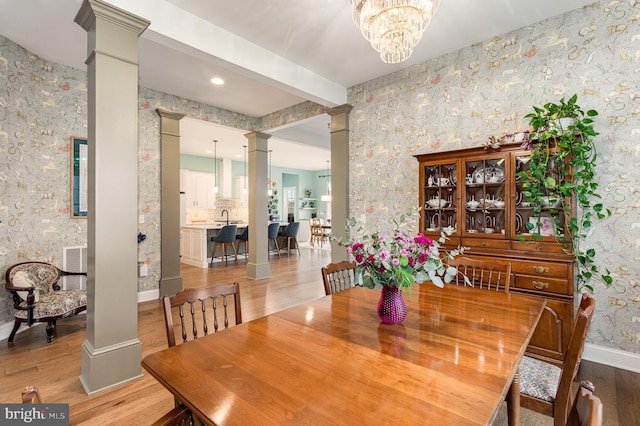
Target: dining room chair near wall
<point>547,388</point>
<point>272,237</point>
<point>318,235</point>
<point>587,408</point>
<point>203,306</point>
<point>479,273</point>
<point>226,237</point>
<point>290,234</point>
<point>338,276</point>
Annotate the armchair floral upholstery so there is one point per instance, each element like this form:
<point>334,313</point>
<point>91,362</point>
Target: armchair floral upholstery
<point>37,296</point>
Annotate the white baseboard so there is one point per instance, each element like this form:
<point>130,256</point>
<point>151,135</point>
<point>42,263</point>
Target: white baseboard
<point>145,296</point>
<point>612,357</point>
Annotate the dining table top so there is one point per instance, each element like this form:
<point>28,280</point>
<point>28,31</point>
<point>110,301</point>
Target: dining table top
<point>331,361</point>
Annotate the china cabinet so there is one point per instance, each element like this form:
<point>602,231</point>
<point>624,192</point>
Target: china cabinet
<point>478,194</point>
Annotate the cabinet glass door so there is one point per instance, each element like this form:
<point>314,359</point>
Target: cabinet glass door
<point>440,197</point>
<point>541,218</point>
<point>485,198</point>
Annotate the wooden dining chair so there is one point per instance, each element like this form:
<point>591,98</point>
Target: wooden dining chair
<point>479,273</point>
<point>317,233</point>
<point>205,298</point>
<point>547,388</point>
<point>179,416</point>
<point>338,276</point>
<point>31,395</point>
<point>587,408</point>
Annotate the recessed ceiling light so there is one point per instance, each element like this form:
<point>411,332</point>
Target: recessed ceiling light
<point>217,81</point>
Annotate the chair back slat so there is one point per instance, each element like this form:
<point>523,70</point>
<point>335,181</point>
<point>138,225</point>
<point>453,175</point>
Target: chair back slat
<point>202,318</point>
<point>482,274</point>
<point>338,276</point>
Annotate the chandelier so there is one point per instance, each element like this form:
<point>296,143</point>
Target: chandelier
<point>393,27</point>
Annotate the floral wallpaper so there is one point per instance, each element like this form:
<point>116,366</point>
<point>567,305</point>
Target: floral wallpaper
<point>457,100</point>
<point>42,105</point>
<point>451,102</point>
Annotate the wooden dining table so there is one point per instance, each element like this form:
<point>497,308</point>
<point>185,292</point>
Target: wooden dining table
<point>330,361</point>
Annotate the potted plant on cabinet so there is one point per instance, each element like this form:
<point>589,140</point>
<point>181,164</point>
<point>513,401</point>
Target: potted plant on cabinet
<point>562,167</point>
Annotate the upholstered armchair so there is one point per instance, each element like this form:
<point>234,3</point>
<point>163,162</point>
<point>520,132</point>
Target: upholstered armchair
<point>37,296</point>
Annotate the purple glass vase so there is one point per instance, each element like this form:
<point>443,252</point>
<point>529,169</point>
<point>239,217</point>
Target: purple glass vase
<point>391,307</point>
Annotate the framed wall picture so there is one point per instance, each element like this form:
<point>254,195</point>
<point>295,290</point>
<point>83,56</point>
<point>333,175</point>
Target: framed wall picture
<point>79,177</point>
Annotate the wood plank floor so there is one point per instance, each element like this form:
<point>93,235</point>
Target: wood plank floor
<point>55,368</point>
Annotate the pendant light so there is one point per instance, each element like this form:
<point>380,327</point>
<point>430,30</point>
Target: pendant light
<point>327,196</point>
<point>215,165</point>
<point>269,191</point>
<point>244,190</point>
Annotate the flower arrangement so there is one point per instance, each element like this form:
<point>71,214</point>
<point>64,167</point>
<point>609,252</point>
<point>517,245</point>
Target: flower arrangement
<point>307,192</point>
<point>398,261</point>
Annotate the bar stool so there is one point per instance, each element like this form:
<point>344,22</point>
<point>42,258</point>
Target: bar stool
<point>242,239</point>
<point>272,234</point>
<point>226,236</point>
<point>291,234</point>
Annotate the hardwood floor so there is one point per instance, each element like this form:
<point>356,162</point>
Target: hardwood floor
<point>55,368</point>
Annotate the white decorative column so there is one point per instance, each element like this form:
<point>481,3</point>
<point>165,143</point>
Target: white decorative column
<point>339,177</point>
<point>171,281</point>
<point>111,353</point>
<point>258,266</point>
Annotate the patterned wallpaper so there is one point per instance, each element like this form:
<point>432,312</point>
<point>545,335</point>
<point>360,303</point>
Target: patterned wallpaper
<point>42,104</point>
<point>457,100</point>
<point>451,102</point>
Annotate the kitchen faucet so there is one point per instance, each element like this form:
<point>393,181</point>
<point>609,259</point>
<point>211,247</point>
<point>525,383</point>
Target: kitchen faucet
<point>227,212</point>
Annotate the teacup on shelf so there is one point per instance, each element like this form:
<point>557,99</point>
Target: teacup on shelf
<point>488,230</point>
<point>434,203</point>
<point>473,204</point>
<point>498,204</point>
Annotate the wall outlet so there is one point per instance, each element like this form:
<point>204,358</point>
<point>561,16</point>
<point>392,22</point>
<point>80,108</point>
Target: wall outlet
<point>140,218</point>
<point>363,218</point>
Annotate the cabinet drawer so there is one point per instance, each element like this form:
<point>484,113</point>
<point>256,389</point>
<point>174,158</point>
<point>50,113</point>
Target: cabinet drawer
<point>542,284</point>
<point>537,246</point>
<point>485,243</point>
<point>540,268</point>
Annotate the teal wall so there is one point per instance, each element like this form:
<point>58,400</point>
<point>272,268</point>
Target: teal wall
<point>306,179</point>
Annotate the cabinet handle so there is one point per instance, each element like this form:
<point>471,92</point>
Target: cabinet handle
<point>540,269</point>
<point>484,243</point>
<point>540,285</point>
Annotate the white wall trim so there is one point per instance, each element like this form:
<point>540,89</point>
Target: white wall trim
<point>612,357</point>
<point>145,296</point>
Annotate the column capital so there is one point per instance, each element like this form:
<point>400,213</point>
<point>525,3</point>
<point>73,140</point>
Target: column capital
<point>92,9</point>
<point>164,113</point>
<point>340,109</point>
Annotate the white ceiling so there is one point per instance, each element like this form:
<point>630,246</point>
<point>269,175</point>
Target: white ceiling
<point>272,54</point>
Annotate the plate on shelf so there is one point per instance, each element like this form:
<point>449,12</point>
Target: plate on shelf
<point>489,174</point>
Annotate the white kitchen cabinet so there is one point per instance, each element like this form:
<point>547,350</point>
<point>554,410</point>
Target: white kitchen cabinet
<point>199,189</point>
<point>194,246</point>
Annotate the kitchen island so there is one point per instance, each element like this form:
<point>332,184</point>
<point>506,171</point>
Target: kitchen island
<point>196,245</point>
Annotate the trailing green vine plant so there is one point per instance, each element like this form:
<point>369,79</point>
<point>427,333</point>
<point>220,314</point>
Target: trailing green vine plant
<point>561,168</point>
